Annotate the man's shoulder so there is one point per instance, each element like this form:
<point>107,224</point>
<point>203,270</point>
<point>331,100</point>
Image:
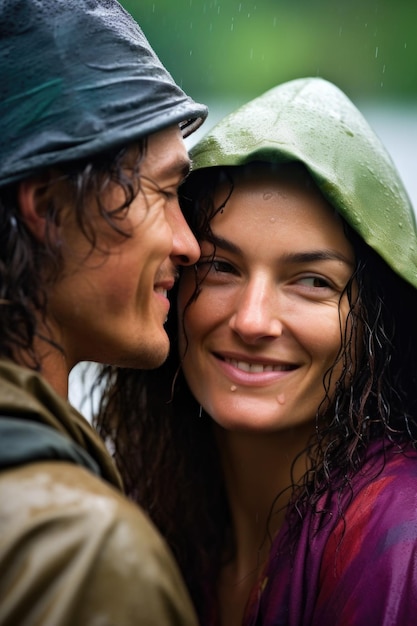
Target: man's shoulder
<point>61,489</point>
<point>59,521</point>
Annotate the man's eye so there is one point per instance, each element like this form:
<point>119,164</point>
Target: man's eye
<point>170,195</point>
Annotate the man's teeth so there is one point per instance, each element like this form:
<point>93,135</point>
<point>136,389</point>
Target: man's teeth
<point>162,291</point>
<point>257,367</point>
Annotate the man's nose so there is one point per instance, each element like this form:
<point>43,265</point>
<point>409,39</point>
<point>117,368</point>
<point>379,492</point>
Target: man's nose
<point>185,249</point>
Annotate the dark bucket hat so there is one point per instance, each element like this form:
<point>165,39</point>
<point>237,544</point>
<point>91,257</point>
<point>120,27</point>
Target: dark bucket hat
<point>77,78</point>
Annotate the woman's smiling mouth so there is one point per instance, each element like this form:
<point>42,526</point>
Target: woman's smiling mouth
<point>250,371</point>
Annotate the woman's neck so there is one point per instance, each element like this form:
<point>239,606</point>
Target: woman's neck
<point>257,468</point>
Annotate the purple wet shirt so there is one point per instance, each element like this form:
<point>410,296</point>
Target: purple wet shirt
<point>360,572</point>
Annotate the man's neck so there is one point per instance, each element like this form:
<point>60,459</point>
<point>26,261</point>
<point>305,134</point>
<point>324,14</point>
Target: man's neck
<point>53,366</point>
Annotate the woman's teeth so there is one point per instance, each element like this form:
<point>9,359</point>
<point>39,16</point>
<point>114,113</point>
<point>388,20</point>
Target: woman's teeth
<point>245,366</point>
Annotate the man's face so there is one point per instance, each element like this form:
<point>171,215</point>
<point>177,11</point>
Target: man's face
<point>110,303</point>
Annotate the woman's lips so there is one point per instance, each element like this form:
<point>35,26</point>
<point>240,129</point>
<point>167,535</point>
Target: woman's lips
<point>248,371</point>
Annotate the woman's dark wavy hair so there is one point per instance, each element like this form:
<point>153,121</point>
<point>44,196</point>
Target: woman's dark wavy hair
<point>28,266</point>
<point>168,457</point>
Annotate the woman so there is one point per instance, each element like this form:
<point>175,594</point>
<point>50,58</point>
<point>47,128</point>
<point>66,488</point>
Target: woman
<point>276,448</point>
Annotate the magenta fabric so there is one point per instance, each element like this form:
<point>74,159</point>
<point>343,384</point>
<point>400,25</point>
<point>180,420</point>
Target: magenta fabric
<point>358,572</point>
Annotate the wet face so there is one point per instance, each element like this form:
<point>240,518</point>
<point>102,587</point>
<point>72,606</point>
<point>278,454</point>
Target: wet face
<point>267,324</point>
<point>111,303</point>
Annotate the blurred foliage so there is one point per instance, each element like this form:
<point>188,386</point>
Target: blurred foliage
<point>238,49</point>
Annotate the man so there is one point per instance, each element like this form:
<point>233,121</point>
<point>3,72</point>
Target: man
<point>92,236</point>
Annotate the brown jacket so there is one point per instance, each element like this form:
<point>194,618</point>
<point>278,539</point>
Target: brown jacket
<point>73,550</point>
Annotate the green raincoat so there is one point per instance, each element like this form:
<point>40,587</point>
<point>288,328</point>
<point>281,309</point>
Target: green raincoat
<point>311,121</point>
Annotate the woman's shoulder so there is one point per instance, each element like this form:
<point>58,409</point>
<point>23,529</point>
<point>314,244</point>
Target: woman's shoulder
<point>368,562</point>
<point>388,475</point>
<point>378,519</point>
<point>355,552</point>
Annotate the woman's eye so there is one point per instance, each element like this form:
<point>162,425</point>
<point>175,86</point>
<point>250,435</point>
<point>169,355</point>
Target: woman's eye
<point>315,282</point>
<point>214,267</point>
<point>222,266</point>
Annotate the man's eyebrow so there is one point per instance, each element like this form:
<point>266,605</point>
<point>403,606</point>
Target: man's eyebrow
<point>178,170</point>
<point>185,170</point>
<point>181,167</point>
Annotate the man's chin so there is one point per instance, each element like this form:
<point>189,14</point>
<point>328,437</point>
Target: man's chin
<point>152,355</point>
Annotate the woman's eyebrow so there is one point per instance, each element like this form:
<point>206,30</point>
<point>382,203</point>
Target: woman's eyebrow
<point>308,256</point>
<point>317,255</point>
<point>224,244</point>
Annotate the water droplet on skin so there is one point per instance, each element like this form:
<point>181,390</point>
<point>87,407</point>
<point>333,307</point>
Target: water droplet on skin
<point>272,220</point>
<point>233,388</point>
<point>281,398</point>
<point>267,195</point>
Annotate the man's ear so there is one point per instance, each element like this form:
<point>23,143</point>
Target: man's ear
<point>34,196</point>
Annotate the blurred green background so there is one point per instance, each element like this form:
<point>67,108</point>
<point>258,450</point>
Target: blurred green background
<point>235,50</point>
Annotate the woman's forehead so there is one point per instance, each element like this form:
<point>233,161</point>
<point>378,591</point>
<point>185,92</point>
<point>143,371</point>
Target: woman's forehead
<point>267,176</point>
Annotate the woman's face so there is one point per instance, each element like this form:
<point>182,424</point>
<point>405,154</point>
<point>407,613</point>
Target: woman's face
<point>268,322</point>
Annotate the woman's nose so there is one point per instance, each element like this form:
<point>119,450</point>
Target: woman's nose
<point>256,314</point>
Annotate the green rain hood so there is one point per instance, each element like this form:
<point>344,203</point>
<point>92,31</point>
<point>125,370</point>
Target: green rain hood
<point>311,121</point>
